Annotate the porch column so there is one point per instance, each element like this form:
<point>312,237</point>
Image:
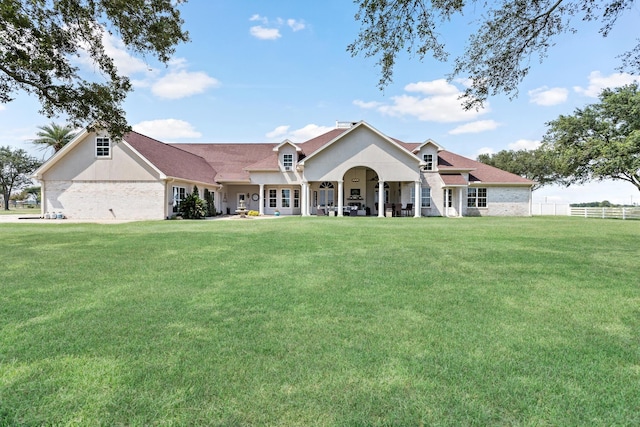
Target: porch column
<point>460,202</point>
<point>261,200</point>
<point>380,198</point>
<point>340,196</point>
<point>417,200</point>
<point>305,198</point>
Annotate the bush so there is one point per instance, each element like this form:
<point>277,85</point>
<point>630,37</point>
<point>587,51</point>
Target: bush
<point>193,207</point>
<point>253,213</point>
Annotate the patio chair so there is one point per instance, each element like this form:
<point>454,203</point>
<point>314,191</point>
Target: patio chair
<point>408,210</point>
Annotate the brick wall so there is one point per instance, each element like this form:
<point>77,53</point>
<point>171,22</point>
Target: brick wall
<point>105,200</point>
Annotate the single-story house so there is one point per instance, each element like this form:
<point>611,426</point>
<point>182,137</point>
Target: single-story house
<point>352,169</point>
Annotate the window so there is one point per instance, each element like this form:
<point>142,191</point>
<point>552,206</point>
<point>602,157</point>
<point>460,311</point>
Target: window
<point>179,193</point>
<point>287,161</point>
<point>103,147</point>
<point>273,198</point>
<point>477,197</point>
<point>428,158</point>
<point>326,194</point>
<point>286,198</point>
<point>296,198</point>
<point>425,199</point>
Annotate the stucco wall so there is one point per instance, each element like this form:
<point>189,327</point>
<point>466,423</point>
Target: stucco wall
<point>105,200</point>
<point>362,147</point>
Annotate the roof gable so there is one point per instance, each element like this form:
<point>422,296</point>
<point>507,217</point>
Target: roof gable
<point>333,136</point>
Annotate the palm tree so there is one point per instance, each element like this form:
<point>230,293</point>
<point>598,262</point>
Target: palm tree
<point>54,136</point>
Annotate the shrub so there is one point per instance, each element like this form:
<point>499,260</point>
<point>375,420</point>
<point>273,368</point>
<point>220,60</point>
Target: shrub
<point>253,213</point>
<point>209,198</point>
<point>193,207</point>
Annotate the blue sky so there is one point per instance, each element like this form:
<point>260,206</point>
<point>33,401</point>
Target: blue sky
<point>263,71</point>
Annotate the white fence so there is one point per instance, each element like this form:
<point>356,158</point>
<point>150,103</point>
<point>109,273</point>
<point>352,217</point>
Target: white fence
<point>613,213</point>
<point>551,209</point>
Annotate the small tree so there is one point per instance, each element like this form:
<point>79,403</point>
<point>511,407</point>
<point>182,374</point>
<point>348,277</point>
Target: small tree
<point>15,168</point>
<point>209,198</point>
<point>193,207</point>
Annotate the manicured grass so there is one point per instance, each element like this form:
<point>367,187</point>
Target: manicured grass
<point>321,321</point>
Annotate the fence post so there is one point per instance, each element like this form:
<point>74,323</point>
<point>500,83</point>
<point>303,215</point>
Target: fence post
<point>624,216</point>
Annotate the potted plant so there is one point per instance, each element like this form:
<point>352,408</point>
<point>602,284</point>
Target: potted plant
<point>277,212</point>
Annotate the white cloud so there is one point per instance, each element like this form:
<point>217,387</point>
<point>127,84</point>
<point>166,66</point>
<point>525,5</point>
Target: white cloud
<point>547,97</point>
<point>524,144</point>
<point>279,131</point>
<point>367,105</point>
<point>2,107</point>
<point>263,33</point>
<point>298,135</point>
<point>296,25</point>
<point>167,129</point>
<point>270,28</point>
<point>435,87</point>
<point>598,82</point>
<point>115,48</point>
<point>256,17</point>
<point>181,84</point>
<point>475,127</point>
<point>438,101</point>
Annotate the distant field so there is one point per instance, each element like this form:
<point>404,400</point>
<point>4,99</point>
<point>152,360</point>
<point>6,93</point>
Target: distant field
<point>321,322</point>
<point>20,211</point>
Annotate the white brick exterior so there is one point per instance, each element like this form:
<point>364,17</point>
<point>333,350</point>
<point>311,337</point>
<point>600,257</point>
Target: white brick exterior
<point>106,199</point>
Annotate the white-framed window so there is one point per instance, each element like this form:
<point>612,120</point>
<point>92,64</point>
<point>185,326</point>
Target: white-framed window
<point>287,161</point>
<point>425,197</point>
<point>285,200</point>
<point>428,159</point>
<point>179,193</point>
<point>296,198</point>
<point>477,197</point>
<point>103,147</point>
<point>273,198</point>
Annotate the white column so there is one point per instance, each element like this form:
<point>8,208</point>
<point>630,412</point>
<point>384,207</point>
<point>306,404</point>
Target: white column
<point>417,201</point>
<point>380,198</point>
<point>261,200</point>
<point>459,201</point>
<point>340,196</point>
<point>304,200</point>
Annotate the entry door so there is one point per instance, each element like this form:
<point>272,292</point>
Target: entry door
<point>449,206</point>
<point>326,194</point>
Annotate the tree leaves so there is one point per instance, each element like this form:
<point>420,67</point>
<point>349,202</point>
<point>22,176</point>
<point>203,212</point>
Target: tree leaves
<point>41,41</point>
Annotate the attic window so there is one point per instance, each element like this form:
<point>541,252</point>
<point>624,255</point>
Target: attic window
<point>287,161</point>
<point>103,147</point>
<point>428,159</point>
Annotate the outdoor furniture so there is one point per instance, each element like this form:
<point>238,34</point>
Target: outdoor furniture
<point>397,209</point>
<point>408,210</point>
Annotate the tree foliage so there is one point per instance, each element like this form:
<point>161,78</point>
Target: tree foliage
<point>193,207</point>
<point>537,165</point>
<point>600,141</point>
<point>41,43</point>
<point>54,136</point>
<point>15,168</point>
<point>499,51</point>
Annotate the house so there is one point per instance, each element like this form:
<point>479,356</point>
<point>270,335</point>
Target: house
<point>352,169</point>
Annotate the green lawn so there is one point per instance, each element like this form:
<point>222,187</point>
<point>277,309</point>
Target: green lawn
<point>321,321</point>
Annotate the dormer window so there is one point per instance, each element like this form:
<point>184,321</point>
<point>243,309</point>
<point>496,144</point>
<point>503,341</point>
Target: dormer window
<point>428,159</point>
<point>103,147</point>
<point>287,161</point>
